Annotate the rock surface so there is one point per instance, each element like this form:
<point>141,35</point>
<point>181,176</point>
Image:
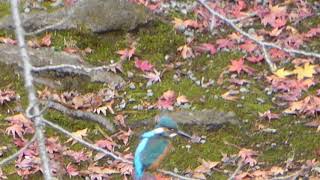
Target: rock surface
<point>91,15</point>
<point>47,56</point>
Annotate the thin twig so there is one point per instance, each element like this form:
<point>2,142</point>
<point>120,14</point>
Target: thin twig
<point>16,154</point>
<point>240,164</point>
<point>33,101</point>
<point>176,175</point>
<point>81,141</point>
<point>244,18</point>
<point>263,44</point>
<point>108,153</point>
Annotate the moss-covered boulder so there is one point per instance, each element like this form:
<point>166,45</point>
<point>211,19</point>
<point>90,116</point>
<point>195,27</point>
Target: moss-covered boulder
<point>94,15</point>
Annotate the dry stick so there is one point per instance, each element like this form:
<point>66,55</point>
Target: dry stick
<point>69,68</point>
<point>108,153</point>
<point>263,44</point>
<point>33,101</point>
<point>240,164</point>
<point>81,115</point>
<point>16,154</point>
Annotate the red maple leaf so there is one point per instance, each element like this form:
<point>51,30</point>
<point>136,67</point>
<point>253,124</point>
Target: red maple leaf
<point>238,66</point>
<point>15,130</point>
<point>143,65</point>
<point>106,143</point>
<point>77,156</point>
<point>225,43</point>
<point>277,54</point>
<point>312,32</point>
<point>255,59</point>
<point>72,170</point>
<point>206,48</point>
<point>248,46</point>
<point>167,100</point>
<point>276,16</point>
<point>126,53</point>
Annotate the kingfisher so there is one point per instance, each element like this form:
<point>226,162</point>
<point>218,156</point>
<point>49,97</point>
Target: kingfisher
<point>154,145</point>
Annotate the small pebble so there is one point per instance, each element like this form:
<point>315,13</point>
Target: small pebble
<point>149,93</point>
<point>132,86</point>
<point>130,74</point>
<point>198,82</point>
<point>261,101</point>
<point>27,10</point>
<point>239,105</point>
<point>244,90</point>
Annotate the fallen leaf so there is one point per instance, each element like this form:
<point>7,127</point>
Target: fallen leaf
<point>269,115</point>
<point>306,71</point>
<point>7,96</point>
<point>46,40</point>
<point>167,100</point>
<point>186,51</point>
<point>79,134</point>
<point>230,95</point>
<point>102,170</point>
<point>182,100</point>
<point>239,66</point>
<point>126,53</point>
<point>6,40</point>
<point>72,170</point>
<point>153,77</point>
<point>206,48</point>
<point>247,155</point>
<point>204,168</point>
<point>276,170</point>
<point>281,73</point>
<point>143,65</point>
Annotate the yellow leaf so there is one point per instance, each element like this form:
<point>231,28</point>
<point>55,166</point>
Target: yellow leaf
<point>281,73</point>
<point>79,134</point>
<point>306,71</point>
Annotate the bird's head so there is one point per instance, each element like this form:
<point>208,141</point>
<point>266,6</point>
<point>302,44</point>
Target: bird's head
<point>170,127</point>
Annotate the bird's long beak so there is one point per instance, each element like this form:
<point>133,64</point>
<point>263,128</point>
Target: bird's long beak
<point>181,133</point>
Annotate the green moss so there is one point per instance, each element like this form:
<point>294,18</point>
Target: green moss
<point>4,9</point>
<point>156,42</point>
<point>104,46</point>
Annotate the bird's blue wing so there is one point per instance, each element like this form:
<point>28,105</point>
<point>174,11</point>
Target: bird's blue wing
<point>154,148</point>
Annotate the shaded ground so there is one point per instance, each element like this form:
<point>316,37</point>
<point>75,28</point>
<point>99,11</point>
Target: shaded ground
<point>154,43</point>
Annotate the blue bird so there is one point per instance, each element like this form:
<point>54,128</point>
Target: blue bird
<point>154,145</point>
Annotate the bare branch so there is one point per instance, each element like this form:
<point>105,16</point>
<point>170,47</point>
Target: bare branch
<point>33,101</point>
<point>16,154</point>
<point>263,44</point>
<point>81,115</point>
